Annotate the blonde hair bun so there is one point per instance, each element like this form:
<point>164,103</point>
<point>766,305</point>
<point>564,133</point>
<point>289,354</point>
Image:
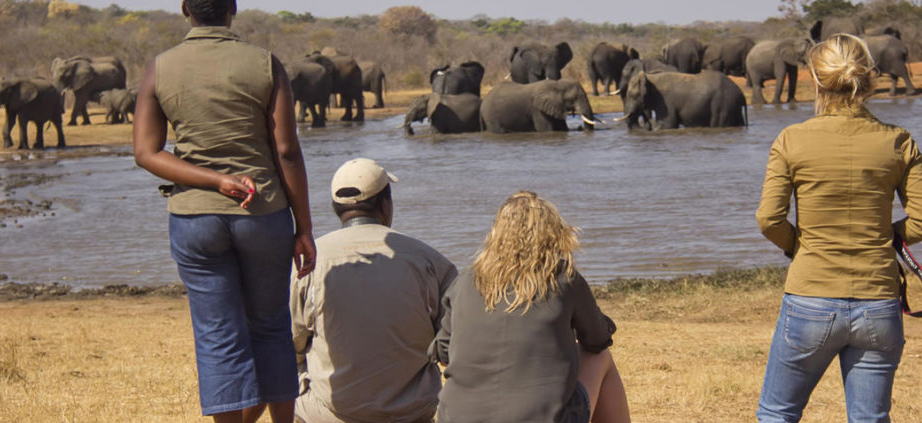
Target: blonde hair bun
<point>841,67</point>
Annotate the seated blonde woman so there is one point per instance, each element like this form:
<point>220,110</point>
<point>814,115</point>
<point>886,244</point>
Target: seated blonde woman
<point>507,336</point>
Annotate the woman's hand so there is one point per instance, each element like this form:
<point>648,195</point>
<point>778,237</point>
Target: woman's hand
<point>238,186</point>
<point>305,254</point>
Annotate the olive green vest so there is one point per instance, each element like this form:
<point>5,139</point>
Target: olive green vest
<point>215,90</point>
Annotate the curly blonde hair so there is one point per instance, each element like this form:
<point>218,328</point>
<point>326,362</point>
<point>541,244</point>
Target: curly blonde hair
<point>519,261</point>
<point>841,67</point>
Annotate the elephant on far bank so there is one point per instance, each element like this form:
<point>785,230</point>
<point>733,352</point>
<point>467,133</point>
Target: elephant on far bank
<point>826,27</point>
<point>685,54</point>
<point>535,62</point>
<point>728,55</point>
<point>464,78</point>
<point>374,81</point>
<point>890,55</point>
<point>447,113</point>
<point>346,77</point>
<point>119,103</point>
<point>311,86</point>
<point>706,99</point>
<point>31,100</point>
<point>85,77</point>
<point>775,59</point>
<point>605,64</point>
<point>537,107</point>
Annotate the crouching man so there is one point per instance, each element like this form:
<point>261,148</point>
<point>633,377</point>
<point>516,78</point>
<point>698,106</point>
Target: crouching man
<point>364,318</point>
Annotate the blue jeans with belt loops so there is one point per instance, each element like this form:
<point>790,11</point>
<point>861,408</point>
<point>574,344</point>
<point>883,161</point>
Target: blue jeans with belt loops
<point>866,335</point>
<point>237,269</point>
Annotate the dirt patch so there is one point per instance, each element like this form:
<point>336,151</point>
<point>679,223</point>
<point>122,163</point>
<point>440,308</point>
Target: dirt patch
<point>13,291</point>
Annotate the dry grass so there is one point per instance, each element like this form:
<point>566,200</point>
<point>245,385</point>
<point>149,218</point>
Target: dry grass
<point>690,350</point>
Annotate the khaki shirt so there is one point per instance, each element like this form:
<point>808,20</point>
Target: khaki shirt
<point>215,90</point>
<point>843,170</point>
<point>363,320</point>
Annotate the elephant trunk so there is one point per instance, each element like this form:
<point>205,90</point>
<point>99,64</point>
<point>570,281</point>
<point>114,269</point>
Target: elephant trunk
<point>584,109</point>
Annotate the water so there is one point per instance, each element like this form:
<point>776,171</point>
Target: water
<point>659,204</point>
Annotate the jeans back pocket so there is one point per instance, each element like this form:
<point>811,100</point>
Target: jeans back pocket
<point>884,327</point>
<point>806,330</point>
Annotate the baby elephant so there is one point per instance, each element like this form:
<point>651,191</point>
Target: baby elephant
<point>707,99</point>
<point>31,100</point>
<point>118,103</point>
<point>447,113</point>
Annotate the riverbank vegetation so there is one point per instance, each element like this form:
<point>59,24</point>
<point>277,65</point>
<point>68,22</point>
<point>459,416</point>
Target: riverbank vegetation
<point>406,40</point>
<point>690,349</point>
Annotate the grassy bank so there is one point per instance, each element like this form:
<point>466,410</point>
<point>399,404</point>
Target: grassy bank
<point>690,349</point>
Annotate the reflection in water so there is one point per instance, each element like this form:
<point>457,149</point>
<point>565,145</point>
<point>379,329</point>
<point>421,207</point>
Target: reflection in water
<point>657,204</point>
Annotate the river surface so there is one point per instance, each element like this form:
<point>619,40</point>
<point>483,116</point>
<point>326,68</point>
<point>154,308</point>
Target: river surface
<point>649,205</point>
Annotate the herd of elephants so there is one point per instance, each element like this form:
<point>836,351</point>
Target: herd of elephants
<point>687,86</point>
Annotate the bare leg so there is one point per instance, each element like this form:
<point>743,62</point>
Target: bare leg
<point>600,377</point>
<point>228,417</point>
<point>252,414</point>
<point>281,412</point>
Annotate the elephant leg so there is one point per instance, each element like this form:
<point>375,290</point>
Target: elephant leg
<point>57,126</point>
<point>74,111</point>
<point>10,121</point>
<point>542,123</point>
<point>792,84</point>
<point>318,119</point>
<point>607,85</point>
<point>910,89</point>
<point>593,79</point>
<point>85,114</point>
<point>360,108</point>
<point>39,136</point>
<point>23,133</point>
<point>780,75</point>
<point>302,111</point>
<point>347,104</point>
<point>893,81</point>
<point>756,85</point>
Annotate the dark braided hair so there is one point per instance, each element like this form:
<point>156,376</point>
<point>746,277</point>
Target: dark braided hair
<point>210,12</point>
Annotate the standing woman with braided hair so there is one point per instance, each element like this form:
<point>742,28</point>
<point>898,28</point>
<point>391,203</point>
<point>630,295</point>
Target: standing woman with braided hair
<point>843,285</point>
<point>239,180</point>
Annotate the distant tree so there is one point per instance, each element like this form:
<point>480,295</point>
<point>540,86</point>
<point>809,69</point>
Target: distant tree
<point>289,17</point>
<point>505,26</point>
<point>818,9</point>
<point>66,10</point>
<point>408,20</point>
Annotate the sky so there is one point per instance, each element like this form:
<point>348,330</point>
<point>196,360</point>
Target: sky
<point>672,12</point>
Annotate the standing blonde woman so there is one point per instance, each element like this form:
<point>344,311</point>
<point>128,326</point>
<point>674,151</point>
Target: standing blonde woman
<point>507,336</point>
<point>842,290</point>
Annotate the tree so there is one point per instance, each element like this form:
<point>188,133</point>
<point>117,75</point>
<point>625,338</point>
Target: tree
<point>818,9</point>
<point>408,20</point>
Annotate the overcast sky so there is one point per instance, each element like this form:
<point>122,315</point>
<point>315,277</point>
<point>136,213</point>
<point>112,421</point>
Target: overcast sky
<point>615,11</point>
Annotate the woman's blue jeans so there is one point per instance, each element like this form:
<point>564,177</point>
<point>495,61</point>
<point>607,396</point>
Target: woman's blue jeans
<point>237,269</point>
<point>866,335</point>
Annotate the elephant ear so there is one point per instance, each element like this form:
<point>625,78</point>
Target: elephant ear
<point>515,51</point>
<point>895,33</point>
<point>474,70</point>
<point>435,72</point>
<point>435,100</point>
<point>549,102</point>
<point>27,92</point>
<point>633,53</point>
<point>637,87</point>
<point>83,74</point>
<point>564,54</point>
<point>787,53</point>
<point>816,31</point>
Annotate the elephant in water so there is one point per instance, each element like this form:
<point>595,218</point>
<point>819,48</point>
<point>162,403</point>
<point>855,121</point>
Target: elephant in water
<point>464,78</point>
<point>728,55</point>
<point>685,54</point>
<point>346,76</point>
<point>535,62</point>
<point>311,86</point>
<point>374,81</point>
<point>605,64</point>
<point>31,100</point>
<point>86,76</point>
<point>707,99</point>
<point>890,55</point>
<point>447,113</point>
<point>775,59</point>
<point>540,106</point>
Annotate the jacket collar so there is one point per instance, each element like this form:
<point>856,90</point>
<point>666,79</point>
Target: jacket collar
<point>859,111</point>
<point>221,32</point>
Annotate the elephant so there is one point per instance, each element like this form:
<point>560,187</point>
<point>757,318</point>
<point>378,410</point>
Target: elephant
<point>86,76</point>
<point>890,54</point>
<point>118,104</point>
<point>346,77</point>
<point>706,99</point>
<point>775,59</point>
<point>374,81</point>
<point>728,55</point>
<point>823,29</point>
<point>606,62</point>
<point>685,54</point>
<point>311,86</point>
<point>464,78</point>
<point>636,66</point>
<point>540,106</point>
<point>535,62</point>
<point>447,113</point>
<point>31,100</point>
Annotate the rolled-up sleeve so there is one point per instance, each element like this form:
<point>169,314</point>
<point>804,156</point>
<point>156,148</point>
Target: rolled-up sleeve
<point>910,192</point>
<point>775,204</point>
<point>593,328</point>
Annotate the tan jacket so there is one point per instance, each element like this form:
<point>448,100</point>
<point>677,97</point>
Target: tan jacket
<point>363,320</point>
<point>215,90</point>
<point>843,170</point>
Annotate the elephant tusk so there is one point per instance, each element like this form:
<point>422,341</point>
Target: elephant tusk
<point>508,75</point>
<point>616,92</point>
<point>622,118</point>
<point>587,120</point>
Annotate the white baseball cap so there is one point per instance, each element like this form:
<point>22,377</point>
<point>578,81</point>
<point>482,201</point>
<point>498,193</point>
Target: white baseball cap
<point>358,180</point>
